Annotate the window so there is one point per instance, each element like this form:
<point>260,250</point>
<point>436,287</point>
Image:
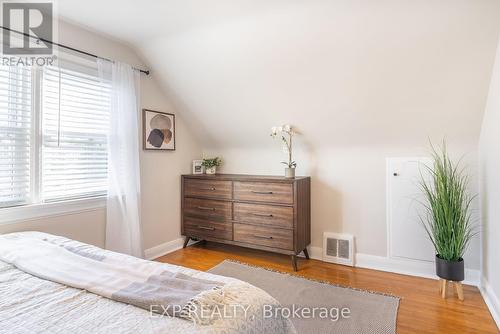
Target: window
<point>75,118</point>
<point>15,135</point>
<point>53,141</point>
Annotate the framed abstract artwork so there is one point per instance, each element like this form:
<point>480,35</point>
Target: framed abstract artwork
<point>159,130</point>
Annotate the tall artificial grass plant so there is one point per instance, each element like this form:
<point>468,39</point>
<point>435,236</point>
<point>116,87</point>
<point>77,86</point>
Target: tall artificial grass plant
<point>447,218</point>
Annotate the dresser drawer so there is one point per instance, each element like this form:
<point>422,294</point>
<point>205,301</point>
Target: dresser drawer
<point>195,227</point>
<point>207,208</point>
<point>208,188</point>
<point>264,236</point>
<point>264,192</point>
<point>278,216</point>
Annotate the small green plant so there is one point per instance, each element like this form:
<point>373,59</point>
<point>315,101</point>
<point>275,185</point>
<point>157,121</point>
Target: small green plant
<point>447,219</point>
<point>213,162</point>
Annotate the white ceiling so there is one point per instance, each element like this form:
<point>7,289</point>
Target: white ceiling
<point>346,72</point>
<point>139,20</point>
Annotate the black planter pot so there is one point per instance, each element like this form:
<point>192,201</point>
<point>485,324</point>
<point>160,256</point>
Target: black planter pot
<point>450,270</point>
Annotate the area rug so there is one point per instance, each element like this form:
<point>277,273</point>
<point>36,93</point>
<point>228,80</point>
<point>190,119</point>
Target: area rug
<point>369,312</point>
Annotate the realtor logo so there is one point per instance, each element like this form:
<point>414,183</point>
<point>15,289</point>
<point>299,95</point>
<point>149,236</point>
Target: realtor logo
<point>22,20</point>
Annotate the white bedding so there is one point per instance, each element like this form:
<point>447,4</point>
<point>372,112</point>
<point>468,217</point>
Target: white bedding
<point>32,305</point>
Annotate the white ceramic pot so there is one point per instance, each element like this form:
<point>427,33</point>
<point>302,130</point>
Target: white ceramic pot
<point>211,170</point>
<point>290,172</point>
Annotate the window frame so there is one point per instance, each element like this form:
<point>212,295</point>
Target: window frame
<point>35,207</point>
<point>27,212</point>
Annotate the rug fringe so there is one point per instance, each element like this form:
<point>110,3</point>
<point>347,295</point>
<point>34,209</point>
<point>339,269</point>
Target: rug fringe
<point>219,296</point>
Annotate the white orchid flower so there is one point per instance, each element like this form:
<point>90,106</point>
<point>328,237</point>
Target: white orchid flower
<point>285,132</point>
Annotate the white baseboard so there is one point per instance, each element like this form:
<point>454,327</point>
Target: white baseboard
<point>410,267</point>
<point>165,248</point>
<point>491,300</point>
<point>399,266</point>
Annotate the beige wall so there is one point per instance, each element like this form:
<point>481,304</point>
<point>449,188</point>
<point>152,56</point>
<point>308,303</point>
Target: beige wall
<point>490,191</point>
<point>348,186</point>
<point>88,226</point>
<point>160,171</point>
<point>160,175</point>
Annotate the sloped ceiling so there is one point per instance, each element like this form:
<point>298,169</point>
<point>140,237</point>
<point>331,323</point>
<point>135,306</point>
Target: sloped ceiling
<point>346,72</point>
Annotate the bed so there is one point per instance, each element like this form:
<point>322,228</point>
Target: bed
<point>29,304</point>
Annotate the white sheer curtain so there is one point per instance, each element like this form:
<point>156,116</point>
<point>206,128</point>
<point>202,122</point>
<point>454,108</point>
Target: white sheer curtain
<point>123,219</point>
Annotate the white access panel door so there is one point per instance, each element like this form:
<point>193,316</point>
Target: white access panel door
<point>406,235</point>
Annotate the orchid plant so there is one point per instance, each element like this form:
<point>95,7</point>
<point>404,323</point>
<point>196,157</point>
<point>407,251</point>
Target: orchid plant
<point>285,133</point>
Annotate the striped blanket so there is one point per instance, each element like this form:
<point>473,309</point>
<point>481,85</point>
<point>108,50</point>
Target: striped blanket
<point>144,284</point>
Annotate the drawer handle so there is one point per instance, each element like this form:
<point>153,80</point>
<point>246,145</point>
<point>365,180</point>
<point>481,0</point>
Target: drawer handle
<point>262,236</point>
<point>262,192</point>
<point>263,215</point>
<point>210,189</point>
<point>205,208</point>
<point>206,228</point>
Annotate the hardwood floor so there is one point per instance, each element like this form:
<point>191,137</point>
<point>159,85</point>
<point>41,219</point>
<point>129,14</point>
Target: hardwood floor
<point>421,308</point>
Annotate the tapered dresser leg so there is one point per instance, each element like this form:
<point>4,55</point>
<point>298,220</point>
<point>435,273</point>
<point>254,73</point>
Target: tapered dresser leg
<point>294,262</point>
<point>306,253</point>
<point>186,240</point>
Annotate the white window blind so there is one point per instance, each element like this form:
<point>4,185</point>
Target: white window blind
<point>15,135</point>
<point>75,123</point>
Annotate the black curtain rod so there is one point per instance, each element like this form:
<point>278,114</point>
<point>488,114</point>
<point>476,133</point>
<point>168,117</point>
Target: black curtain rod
<point>67,47</point>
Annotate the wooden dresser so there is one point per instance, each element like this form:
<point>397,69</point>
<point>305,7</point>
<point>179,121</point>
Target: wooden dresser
<point>270,213</point>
